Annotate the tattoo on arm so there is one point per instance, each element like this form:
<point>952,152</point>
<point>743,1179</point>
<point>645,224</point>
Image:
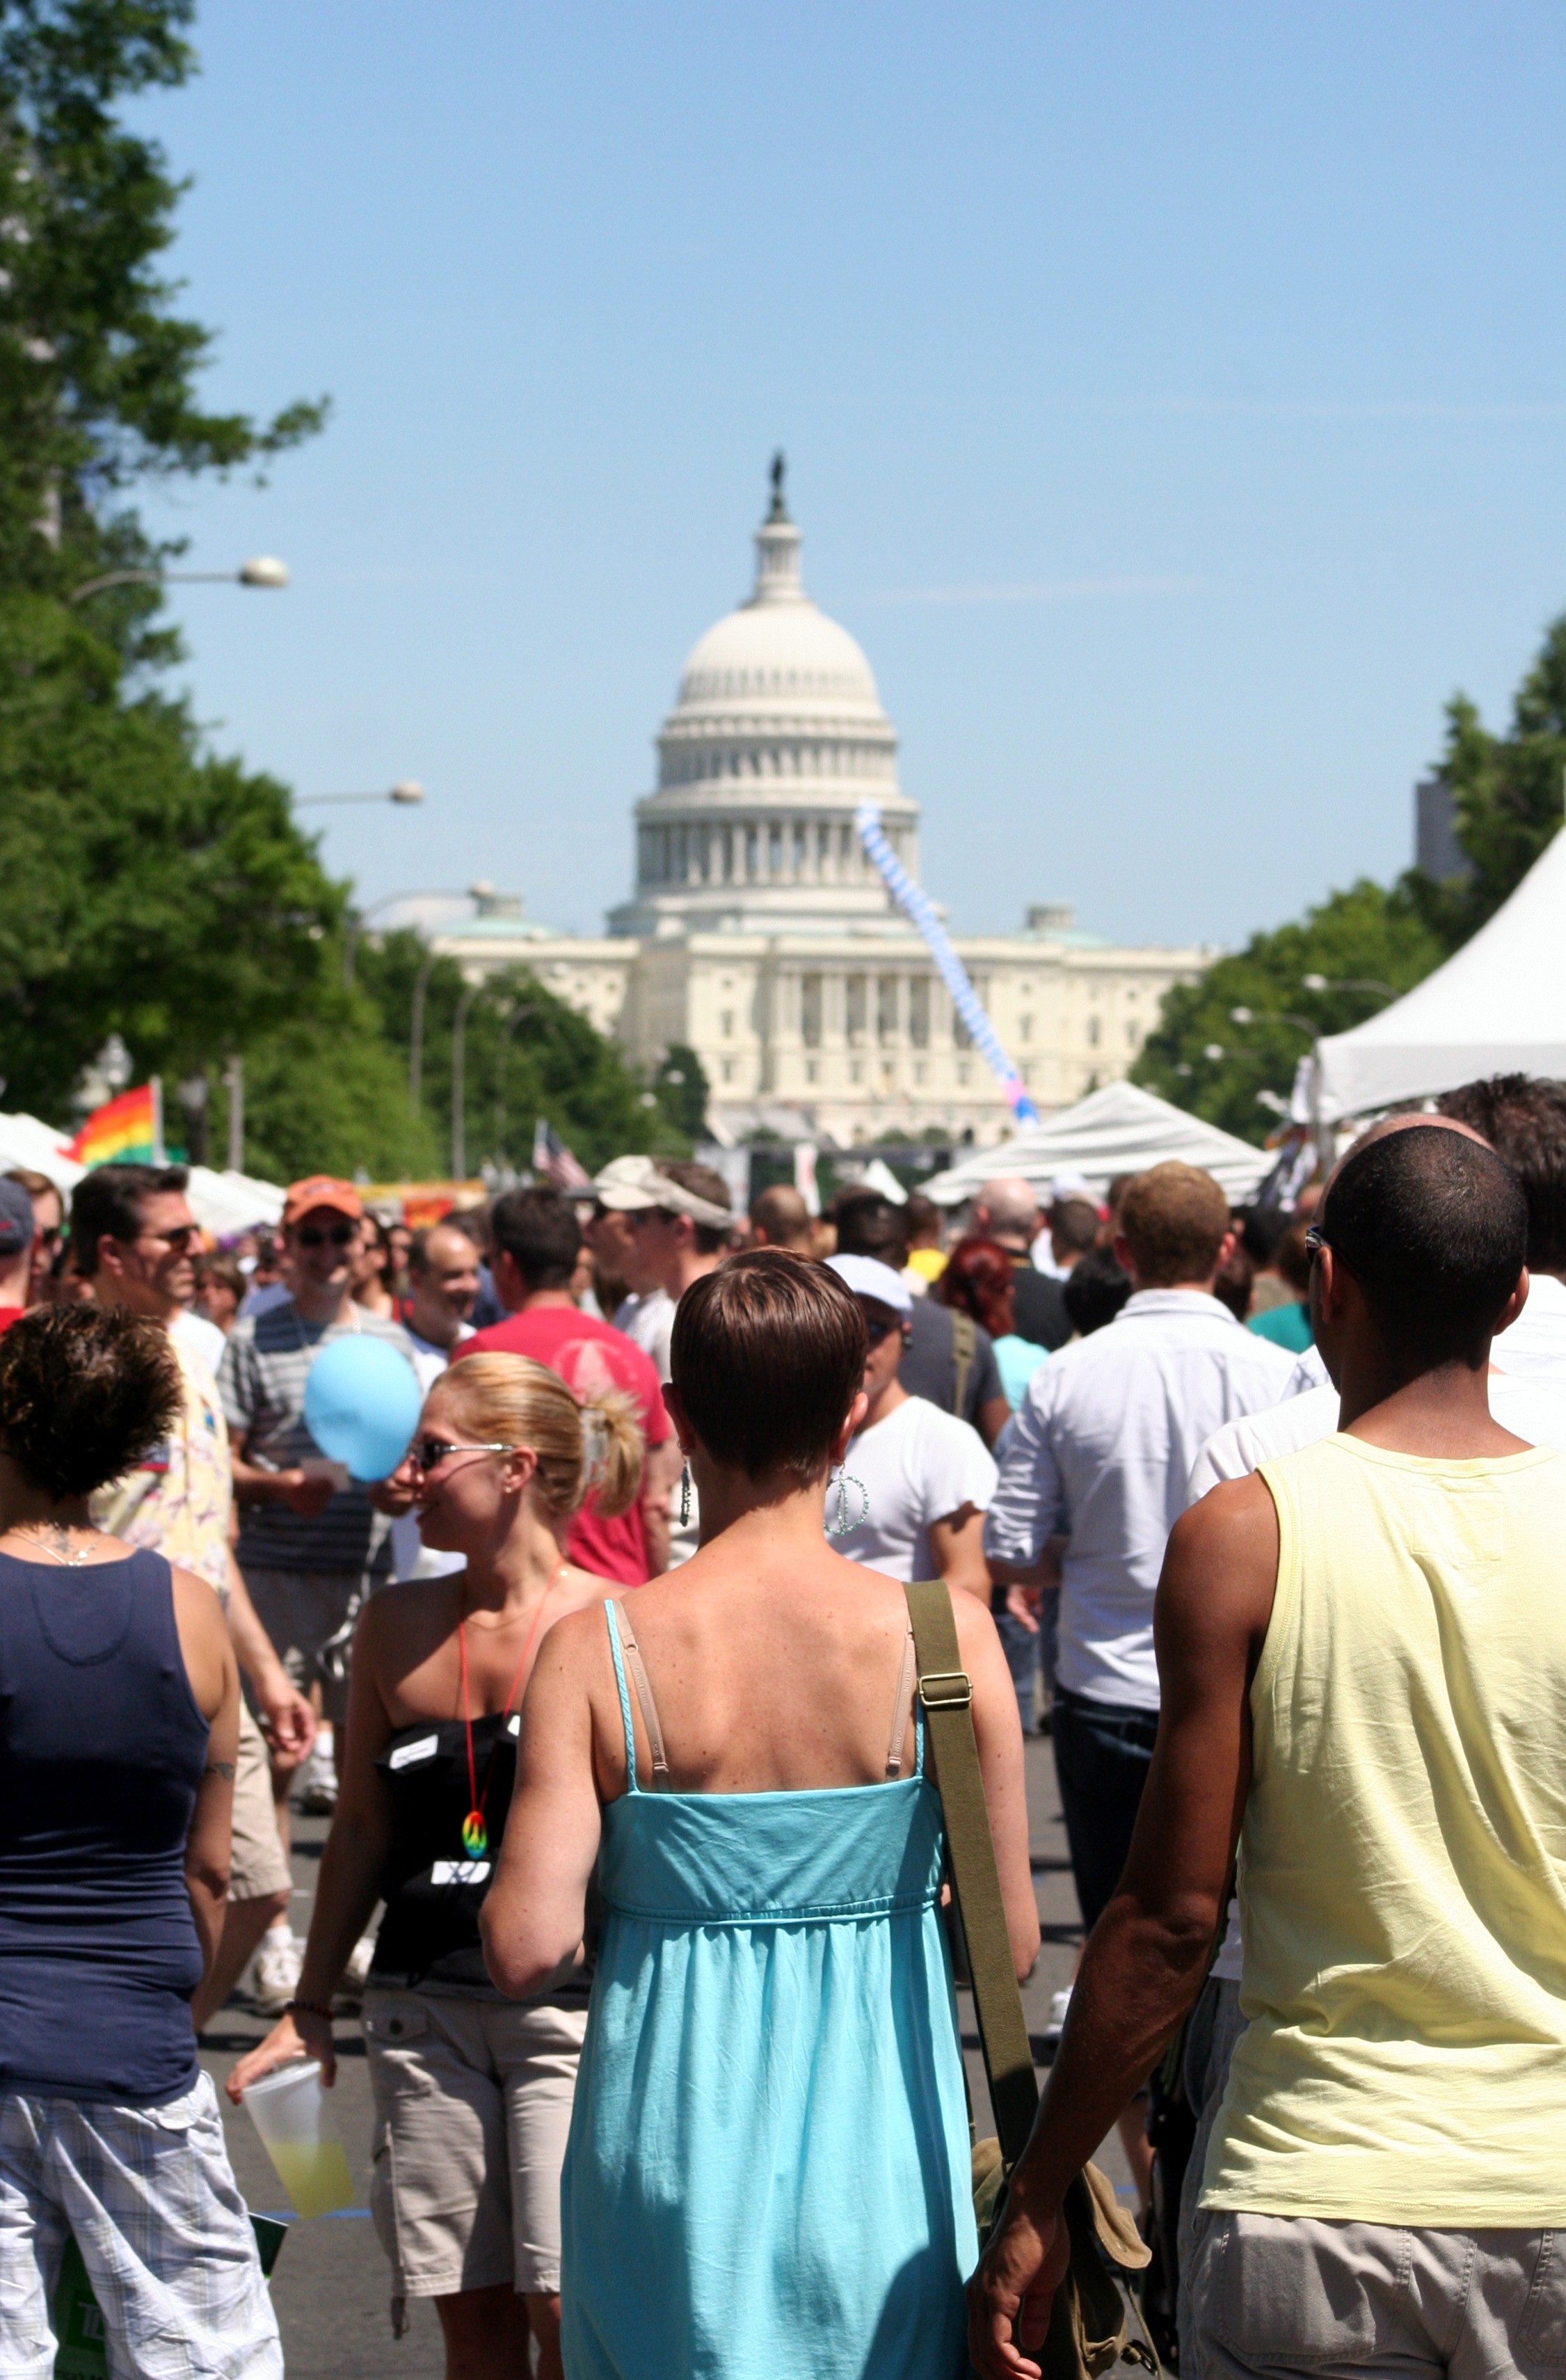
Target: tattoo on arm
<point>218,1769</point>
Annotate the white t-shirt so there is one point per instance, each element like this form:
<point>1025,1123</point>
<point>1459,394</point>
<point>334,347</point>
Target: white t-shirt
<point>917,1466</point>
<point>204,1339</point>
<point>411,1558</point>
<point>1534,1347</point>
<point>1529,1409</point>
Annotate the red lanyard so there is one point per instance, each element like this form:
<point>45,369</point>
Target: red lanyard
<point>475,1834</point>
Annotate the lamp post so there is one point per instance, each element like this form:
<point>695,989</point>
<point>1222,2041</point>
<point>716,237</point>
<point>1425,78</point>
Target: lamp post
<point>262,570</point>
<point>1348,983</point>
<point>405,792</point>
<point>458,1094</point>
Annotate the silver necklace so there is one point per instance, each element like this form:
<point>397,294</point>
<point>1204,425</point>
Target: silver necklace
<point>60,1551</point>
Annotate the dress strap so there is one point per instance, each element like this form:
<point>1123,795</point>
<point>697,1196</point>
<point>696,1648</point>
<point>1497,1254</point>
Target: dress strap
<point>631,1785</point>
<point>642,1683</point>
<point>901,1701</point>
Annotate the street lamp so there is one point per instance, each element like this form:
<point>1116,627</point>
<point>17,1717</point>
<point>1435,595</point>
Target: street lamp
<point>458,1094</point>
<point>405,792</point>
<point>1273,1016</point>
<point>1349,983</point>
<point>262,570</point>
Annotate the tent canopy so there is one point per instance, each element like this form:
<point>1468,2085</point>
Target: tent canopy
<point>1496,1007</point>
<point>1118,1130</point>
<point>221,1202</point>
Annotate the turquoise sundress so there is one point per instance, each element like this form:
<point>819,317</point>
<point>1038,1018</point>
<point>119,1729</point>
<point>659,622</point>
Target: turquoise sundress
<point>767,2172</point>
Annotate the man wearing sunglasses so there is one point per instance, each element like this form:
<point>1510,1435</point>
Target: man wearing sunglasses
<point>133,1237</point>
<point>309,1538</point>
<point>48,1226</point>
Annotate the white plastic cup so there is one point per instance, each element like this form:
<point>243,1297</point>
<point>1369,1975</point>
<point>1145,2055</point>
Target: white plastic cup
<point>287,2109</point>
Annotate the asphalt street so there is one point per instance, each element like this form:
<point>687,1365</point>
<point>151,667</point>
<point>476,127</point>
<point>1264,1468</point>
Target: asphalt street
<point>331,2286</point>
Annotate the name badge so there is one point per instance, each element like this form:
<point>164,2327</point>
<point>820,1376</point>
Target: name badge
<point>459,1871</point>
<point>424,1748</point>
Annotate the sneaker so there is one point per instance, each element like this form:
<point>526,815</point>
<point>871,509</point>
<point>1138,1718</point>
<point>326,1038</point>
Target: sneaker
<point>1055,2022</point>
<point>277,1970</point>
<point>349,1994</point>
<point>318,1783</point>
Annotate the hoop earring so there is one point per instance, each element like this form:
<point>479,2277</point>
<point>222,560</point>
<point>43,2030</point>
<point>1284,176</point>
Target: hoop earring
<point>685,1496</point>
<point>842,1526</point>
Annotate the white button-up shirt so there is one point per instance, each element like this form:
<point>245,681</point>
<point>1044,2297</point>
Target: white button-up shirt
<point>1534,1347</point>
<point>1101,1451</point>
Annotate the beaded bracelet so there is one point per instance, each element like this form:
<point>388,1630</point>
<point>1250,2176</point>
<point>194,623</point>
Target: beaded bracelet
<point>308,2008</point>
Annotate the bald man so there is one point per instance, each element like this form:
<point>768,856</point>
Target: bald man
<point>780,1219</point>
<point>1006,1210</point>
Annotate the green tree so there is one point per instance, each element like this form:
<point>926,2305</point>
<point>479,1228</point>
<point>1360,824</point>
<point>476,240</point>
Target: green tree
<point>682,1088</point>
<point>1204,1058</point>
<point>526,1055</point>
<point>1508,791</point>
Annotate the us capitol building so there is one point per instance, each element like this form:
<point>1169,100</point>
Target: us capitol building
<point>760,935</point>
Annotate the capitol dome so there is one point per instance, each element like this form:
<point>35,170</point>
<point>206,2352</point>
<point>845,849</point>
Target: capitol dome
<point>776,736</point>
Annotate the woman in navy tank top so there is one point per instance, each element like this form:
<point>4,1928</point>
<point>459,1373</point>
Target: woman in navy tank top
<point>119,1713</point>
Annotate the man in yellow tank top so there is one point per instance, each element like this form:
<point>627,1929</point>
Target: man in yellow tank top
<point>1363,1657</point>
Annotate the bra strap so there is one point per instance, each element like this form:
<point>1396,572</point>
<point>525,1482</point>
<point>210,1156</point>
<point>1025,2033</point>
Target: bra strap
<point>631,1785</point>
<point>639,1680</point>
<point>901,1701</point>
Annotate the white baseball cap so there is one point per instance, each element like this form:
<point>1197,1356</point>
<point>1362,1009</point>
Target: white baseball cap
<point>866,1277</point>
<point>633,1184</point>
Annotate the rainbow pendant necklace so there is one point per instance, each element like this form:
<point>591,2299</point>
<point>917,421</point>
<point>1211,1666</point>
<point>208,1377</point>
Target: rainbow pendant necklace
<point>475,1834</point>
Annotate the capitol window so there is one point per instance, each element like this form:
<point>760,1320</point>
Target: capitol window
<point>858,1006</point>
<point>1092,1032</point>
<point>810,1011</point>
<point>726,1024</point>
<point>918,1011</point>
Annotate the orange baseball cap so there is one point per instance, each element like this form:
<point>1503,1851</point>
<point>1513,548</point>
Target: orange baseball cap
<point>322,1190</point>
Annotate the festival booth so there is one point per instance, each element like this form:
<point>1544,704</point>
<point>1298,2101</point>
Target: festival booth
<point>1118,1130</point>
<point>1498,1006</point>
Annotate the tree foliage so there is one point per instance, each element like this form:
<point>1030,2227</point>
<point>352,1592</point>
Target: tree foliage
<point>1203,1058</point>
<point>146,887</point>
<point>1506,790</point>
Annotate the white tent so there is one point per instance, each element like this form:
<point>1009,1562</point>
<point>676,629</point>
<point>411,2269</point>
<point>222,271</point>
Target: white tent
<point>1117,1130</point>
<point>221,1202</point>
<point>1498,1006</point>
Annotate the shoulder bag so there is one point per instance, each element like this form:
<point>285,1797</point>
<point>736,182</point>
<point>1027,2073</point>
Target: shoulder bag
<point>1094,2323</point>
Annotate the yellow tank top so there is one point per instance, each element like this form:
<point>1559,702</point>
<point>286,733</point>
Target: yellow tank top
<point>1402,1858</point>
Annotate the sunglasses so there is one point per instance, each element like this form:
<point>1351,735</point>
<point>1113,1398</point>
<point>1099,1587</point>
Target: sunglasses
<point>427,1454</point>
<point>179,1239</point>
<point>310,1235</point>
<point>881,1328</point>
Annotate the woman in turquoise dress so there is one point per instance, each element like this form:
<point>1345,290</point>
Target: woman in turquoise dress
<point>768,2174</point>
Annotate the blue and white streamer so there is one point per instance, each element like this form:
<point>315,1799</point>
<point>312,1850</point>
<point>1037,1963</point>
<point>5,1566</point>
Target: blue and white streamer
<point>916,905</point>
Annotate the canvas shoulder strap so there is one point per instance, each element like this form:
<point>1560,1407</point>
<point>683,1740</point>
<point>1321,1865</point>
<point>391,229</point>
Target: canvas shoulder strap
<point>946,1695</point>
<point>965,1347</point>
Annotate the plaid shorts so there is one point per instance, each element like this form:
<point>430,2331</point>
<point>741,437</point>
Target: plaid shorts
<point>150,2196</point>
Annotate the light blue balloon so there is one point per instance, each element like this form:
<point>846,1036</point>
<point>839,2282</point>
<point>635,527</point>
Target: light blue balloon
<point>361,1402</point>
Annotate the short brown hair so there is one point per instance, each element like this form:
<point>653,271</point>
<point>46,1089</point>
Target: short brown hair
<point>1174,1219</point>
<point>86,1392</point>
<point>782,1213</point>
<point>768,1354</point>
<point>1524,1118</point>
<point>702,1182</point>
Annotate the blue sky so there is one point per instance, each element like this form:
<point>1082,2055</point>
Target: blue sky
<point>1174,398</point>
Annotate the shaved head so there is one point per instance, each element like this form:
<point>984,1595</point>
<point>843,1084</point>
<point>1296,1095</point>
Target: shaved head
<point>1008,1204</point>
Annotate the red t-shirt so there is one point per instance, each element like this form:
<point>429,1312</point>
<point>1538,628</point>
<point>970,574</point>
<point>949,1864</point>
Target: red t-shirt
<point>589,1356</point>
<point>9,1313</point>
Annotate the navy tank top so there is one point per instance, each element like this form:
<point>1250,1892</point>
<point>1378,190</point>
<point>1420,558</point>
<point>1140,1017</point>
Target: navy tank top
<point>101,1749</point>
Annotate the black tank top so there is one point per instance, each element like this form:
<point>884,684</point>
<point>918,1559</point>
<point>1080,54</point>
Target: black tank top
<point>433,1891</point>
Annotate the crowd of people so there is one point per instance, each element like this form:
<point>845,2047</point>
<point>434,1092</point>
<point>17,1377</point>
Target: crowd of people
<point>634,1878</point>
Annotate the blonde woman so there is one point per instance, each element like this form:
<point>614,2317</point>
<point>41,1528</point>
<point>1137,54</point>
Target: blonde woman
<point>472,2091</point>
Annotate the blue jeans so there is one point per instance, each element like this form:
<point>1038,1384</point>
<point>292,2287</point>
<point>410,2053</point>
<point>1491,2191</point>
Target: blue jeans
<point>1103,1753</point>
<point>1028,1649</point>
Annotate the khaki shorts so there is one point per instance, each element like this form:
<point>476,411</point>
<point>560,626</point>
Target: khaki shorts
<point>472,2108</point>
<point>303,1612</point>
<point>257,1868</point>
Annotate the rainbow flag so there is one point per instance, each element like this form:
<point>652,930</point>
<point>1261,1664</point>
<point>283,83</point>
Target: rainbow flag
<point>127,1131</point>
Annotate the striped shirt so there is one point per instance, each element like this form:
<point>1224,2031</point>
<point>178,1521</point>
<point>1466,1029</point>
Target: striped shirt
<point>265,1366</point>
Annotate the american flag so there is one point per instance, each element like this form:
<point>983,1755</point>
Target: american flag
<point>554,1161</point>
